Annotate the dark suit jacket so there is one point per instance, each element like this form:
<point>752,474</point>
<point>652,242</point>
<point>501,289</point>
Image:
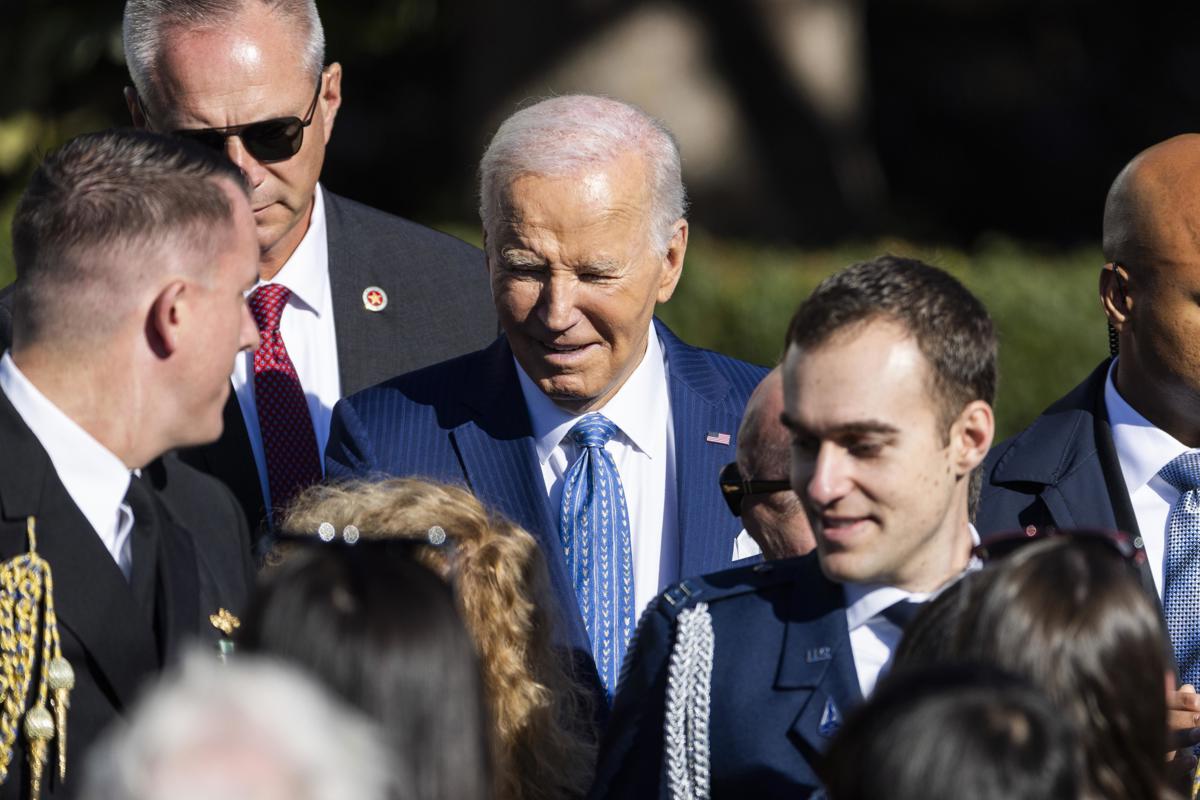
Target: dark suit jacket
<point>203,565</point>
<point>439,306</point>
<point>782,677</point>
<point>1062,471</point>
<point>465,421</point>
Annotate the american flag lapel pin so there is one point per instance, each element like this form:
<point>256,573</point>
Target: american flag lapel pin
<point>717,438</point>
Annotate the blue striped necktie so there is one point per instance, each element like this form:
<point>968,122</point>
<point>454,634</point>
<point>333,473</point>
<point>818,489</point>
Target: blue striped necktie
<point>594,530</point>
<point>1181,579</point>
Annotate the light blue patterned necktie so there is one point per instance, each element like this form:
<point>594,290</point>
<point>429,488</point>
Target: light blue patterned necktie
<point>1181,581</point>
<point>593,526</point>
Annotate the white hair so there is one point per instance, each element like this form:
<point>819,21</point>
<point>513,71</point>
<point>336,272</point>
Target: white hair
<point>234,730</point>
<point>561,136</point>
<point>147,23</point>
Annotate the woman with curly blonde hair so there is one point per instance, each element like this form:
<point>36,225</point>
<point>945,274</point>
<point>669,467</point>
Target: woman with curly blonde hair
<point>544,748</point>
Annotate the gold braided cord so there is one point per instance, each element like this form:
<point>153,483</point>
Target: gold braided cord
<point>27,592</point>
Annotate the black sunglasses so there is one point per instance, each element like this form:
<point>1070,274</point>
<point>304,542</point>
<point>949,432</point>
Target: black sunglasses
<point>268,140</point>
<point>734,489</point>
<point>1003,544</point>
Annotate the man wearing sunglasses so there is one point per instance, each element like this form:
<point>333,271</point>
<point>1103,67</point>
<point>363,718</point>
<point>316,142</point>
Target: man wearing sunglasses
<point>347,295</point>
<point>1119,451</point>
<point>756,487</point>
<point>737,681</point>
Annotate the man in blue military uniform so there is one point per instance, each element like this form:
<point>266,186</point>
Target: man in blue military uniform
<point>737,681</point>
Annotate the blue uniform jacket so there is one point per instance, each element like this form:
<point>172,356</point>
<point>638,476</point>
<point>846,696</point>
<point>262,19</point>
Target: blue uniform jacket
<point>782,677</point>
<point>464,421</point>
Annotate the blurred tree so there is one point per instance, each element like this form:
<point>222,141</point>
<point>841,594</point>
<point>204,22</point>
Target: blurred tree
<point>803,121</point>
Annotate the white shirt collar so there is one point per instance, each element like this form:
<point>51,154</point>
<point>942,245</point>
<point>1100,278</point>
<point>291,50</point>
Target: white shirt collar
<point>92,474</point>
<point>632,409</point>
<point>864,601</point>
<point>306,272</point>
<point>1142,449</point>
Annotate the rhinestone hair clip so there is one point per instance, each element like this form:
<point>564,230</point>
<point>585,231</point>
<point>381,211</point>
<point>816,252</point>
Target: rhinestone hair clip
<point>327,532</point>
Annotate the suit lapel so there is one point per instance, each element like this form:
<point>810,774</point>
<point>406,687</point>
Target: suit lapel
<point>698,408</point>
<point>360,331</point>
<point>178,589</point>
<point>92,599</point>
<point>496,448</point>
<point>346,305</point>
<point>1124,518</point>
<point>1060,452</point>
<point>232,458</point>
<point>816,665</point>
<point>1106,452</point>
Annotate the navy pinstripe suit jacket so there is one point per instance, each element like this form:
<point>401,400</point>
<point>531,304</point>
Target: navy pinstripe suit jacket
<point>464,421</point>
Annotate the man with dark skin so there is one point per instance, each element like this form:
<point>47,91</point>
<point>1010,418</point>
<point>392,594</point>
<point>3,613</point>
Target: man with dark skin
<point>1107,455</point>
<point>1148,287</point>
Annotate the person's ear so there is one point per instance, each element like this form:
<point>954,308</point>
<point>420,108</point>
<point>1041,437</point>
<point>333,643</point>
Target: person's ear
<point>136,115</point>
<point>1115,296</point>
<point>971,436</point>
<point>672,262</point>
<point>164,322</point>
<point>331,97</point>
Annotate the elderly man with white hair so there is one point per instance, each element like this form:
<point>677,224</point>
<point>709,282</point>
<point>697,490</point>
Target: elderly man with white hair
<point>251,729</point>
<point>587,421</point>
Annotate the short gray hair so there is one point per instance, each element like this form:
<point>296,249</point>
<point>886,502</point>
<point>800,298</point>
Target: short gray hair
<point>560,136</point>
<point>91,210</point>
<point>250,707</point>
<point>148,22</point>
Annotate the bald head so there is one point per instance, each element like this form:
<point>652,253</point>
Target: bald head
<point>1153,206</point>
<point>1150,285</point>
<point>775,520</point>
<point>763,448</point>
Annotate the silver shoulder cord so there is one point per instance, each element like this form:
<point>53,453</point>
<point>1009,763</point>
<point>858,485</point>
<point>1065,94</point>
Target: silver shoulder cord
<point>689,686</point>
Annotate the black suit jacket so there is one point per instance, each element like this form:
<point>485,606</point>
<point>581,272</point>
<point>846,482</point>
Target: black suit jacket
<point>203,565</point>
<point>1062,471</point>
<point>439,306</point>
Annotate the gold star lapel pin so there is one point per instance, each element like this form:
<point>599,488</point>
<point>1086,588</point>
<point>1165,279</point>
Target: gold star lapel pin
<point>225,622</point>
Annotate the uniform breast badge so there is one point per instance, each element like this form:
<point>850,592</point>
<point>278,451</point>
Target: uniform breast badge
<point>226,623</point>
<point>27,616</point>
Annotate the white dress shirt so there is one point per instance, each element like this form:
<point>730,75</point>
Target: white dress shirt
<point>1143,450</point>
<point>93,476</point>
<point>874,638</point>
<point>308,333</point>
<point>644,452</point>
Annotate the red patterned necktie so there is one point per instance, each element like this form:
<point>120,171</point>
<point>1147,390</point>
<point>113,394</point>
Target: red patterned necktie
<point>289,441</point>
